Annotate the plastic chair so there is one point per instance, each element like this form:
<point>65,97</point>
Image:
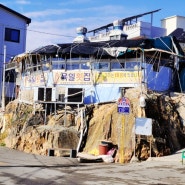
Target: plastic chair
<point>183,156</point>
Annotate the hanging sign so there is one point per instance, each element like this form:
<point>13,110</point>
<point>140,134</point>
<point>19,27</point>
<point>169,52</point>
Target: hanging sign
<point>124,105</point>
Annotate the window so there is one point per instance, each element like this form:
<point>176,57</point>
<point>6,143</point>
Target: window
<point>102,66</point>
<point>72,66</point>
<point>10,76</point>
<point>132,65</point>
<point>116,65</point>
<point>12,35</point>
<point>115,37</point>
<point>85,65</point>
<point>58,64</point>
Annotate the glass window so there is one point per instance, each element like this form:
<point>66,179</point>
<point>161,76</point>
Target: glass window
<point>72,66</point>
<point>58,65</point>
<point>117,65</point>
<point>12,35</point>
<point>115,37</point>
<point>85,65</point>
<point>100,66</point>
<point>132,65</point>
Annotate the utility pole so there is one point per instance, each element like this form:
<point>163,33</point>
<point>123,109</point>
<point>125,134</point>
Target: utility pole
<point>3,91</point>
<point>3,83</point>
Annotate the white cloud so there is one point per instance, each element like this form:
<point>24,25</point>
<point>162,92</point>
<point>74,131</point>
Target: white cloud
<point>42,33</point>
<point>75,2</point>
<point>23,2</point>
<point>48,12</point>
<point>50,32</point>
<point>62,30</point>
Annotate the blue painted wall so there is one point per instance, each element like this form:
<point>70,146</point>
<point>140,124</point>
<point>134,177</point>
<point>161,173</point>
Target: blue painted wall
<point>158,81</point>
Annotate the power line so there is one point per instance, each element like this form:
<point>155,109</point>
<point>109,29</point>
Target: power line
<point>6,25</point>
<point>50,33</point>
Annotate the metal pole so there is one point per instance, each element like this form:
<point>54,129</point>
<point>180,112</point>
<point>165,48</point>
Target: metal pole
<point>3,91</point>
<point>3,84</point>
<point>65,120</point>
<point>122,143</point>
<point>135,138</point>
<point>45,114</point>
<point>151,18</point>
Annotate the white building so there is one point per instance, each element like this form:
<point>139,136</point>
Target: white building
<point>143,30</point>
<point>175,26</point>
<point>172,23</point>
<point>13,29</point>
<point>131,31</point>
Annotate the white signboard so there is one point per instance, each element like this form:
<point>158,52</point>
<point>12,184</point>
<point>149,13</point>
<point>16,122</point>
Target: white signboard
<point>143,126</point>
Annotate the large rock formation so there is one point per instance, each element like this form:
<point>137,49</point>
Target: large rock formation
<point>27,128</point>
<point>27,131</point>
<point>168,130</point>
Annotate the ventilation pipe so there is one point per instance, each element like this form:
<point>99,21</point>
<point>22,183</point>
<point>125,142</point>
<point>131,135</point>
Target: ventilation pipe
<point>81,32</point>
<point>117,25</point>
<point>117,33</point>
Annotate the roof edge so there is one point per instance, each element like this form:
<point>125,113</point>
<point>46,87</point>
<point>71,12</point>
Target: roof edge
<point>28,20</point>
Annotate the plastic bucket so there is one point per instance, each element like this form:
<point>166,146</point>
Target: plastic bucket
<point>103,149</point>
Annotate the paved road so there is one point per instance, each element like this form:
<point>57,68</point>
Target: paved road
<point>20,168</point>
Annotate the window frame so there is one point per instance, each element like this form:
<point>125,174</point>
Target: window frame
<point>10,35</point>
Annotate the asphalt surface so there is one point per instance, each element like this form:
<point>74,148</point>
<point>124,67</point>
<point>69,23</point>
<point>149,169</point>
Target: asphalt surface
<point>20,168</point>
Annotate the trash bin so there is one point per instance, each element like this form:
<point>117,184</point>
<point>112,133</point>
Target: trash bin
<point>103,149</point>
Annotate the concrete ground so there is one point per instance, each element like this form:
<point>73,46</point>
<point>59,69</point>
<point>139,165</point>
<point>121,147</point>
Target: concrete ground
<point>20,168</point>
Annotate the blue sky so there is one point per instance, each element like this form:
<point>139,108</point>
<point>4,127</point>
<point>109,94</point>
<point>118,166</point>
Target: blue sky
<point>56,21</point>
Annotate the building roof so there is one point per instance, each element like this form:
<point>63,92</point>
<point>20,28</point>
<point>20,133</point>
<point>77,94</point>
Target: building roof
<point>173,16</point>
<point>100,49</point>
<point>28,20</point>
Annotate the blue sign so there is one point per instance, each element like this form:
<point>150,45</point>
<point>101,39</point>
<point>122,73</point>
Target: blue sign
<point>123,105</point>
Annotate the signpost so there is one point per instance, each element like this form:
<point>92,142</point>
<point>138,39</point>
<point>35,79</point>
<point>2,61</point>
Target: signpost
<point>124,105</point>
<point>123,108</point>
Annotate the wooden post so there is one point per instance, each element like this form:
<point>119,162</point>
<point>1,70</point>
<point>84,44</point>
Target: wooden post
<point>150,146</point>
